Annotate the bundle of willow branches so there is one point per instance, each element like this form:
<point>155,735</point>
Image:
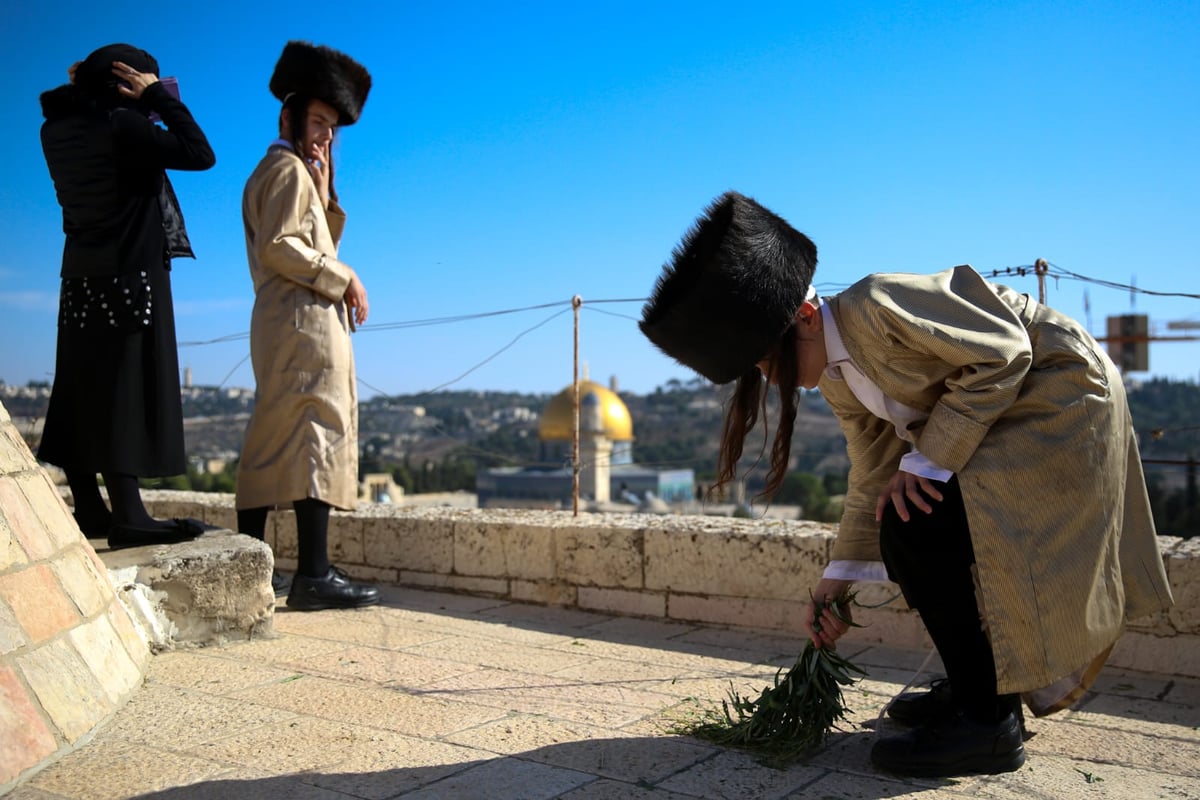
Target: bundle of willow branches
<point>793,717</point>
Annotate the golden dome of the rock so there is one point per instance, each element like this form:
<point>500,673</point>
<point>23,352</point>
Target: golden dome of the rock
<point>558,417</point>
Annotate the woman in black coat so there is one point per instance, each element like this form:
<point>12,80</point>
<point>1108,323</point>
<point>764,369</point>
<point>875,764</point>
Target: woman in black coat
<point>115,407</point>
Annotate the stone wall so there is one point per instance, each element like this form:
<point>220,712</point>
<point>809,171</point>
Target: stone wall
<point>70,655</point>
<point>721,570</point>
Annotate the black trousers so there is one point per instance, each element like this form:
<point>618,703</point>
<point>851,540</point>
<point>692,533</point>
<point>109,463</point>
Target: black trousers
<point>931,558</point>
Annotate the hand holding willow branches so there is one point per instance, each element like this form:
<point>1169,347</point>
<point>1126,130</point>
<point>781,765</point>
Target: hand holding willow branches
<point>828,615</point>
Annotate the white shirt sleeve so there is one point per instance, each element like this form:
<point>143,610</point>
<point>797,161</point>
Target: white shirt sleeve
<point>917,464</point>
<point>856,571</point>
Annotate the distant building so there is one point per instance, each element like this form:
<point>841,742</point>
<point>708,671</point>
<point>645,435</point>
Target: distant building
<point>608,477</point>
<point>379,487</point>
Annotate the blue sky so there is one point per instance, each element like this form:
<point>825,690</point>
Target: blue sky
<point>516,154</point>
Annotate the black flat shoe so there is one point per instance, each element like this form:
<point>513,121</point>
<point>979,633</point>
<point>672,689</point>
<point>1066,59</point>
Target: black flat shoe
<point>924,708</point>
<point>170,532</point>
<point>335,590</point>
<point>958,747</point>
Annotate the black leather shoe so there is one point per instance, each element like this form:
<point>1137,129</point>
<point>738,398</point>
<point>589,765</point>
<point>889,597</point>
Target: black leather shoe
<point>280,583</point>
<point>958,747</point>
<point>335,590</point>
<point>924,708</point>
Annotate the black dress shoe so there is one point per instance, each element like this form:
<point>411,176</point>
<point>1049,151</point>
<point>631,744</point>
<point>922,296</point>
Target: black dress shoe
<point>960,746</point>
<point>166,532</point>
<point>280,583</point>
<point>335,590</point>
<point>924,708</point>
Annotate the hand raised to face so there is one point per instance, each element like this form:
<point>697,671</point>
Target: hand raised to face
<point>132,83</point>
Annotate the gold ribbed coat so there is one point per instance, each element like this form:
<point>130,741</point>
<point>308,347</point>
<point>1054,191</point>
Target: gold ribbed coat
<point>1031,415</point>
<point>302,440</point>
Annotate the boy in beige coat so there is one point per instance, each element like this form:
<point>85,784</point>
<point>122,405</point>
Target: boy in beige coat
<point>301,446</point>
<point>994,471</point>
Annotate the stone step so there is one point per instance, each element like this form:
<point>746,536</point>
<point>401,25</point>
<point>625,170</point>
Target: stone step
<point>210,590</point>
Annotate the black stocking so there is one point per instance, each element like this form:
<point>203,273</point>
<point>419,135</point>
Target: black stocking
<point>253,522</point>
<point>930,556</point>
<point>312,537</point>
<point>91,514</point>
<point>126,501</point>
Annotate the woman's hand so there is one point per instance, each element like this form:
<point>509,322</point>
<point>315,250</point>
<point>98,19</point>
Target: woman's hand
<point>907,485</point>
<point>827,591</point>
<point>137,81</point>
<point>356,301</point>
<point>317,159</point>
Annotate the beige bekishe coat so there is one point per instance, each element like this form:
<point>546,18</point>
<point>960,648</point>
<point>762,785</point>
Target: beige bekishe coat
<point>302,440</point>
<point>1032,417</point>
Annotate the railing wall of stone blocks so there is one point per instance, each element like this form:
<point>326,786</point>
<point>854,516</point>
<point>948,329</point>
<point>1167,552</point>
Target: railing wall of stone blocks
<point>753,573</point>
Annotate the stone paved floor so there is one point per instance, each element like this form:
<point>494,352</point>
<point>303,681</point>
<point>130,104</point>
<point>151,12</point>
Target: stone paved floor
<point>442,696</point>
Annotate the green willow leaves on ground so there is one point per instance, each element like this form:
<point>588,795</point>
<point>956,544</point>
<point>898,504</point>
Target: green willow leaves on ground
<point>793,717</point>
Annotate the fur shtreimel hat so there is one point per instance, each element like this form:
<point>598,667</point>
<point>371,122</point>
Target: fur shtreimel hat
<point>731,289</point>
<point>322,73</point>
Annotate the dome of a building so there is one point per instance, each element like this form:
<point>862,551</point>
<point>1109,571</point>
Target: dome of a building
<point>558,418</point>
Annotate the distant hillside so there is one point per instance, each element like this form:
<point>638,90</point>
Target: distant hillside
<point>676,425</point>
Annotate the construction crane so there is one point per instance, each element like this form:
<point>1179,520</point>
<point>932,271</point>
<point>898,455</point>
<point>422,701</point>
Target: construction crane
<point>1129,335</point>
<point>1129,340</point>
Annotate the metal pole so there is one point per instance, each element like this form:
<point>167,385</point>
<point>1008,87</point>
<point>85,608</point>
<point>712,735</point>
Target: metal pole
<point>576,302</point>
<point>1041,268</point>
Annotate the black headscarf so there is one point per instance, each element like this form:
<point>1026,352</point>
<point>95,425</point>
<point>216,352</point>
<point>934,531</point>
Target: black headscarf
<point>94,77</point>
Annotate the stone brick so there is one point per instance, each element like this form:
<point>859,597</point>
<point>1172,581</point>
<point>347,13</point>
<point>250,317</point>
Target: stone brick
<point>25,739</point>
<point>497,587</point>
<point>99,644</point>
<point>47,504</point>
<point>370,574</point>
<point>25,525</point>
<point>14,453</point>
<point>217,587</point>
<point>782,615</point>
<point>421,543</point>
<point>167,507</point>
<point>595,555</point>
<point>65,687</point>
<point>211,508</point>
<point>11,634</point>
<point>491,548</point>
<point>346,539</point>
<point>11,552</point>
<point>137,646</point>
<point>1172,655</point>
<point>281,533</point>
<point>88,589</point>
<point>769,559</point>
<point>222,517</point>
<point>547,593</point>
<point>38,601</point>
<point>623,601</point>
<point>1183,571</point>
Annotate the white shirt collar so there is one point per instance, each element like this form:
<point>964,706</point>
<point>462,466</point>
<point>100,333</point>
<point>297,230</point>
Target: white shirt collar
<point>835,349</point>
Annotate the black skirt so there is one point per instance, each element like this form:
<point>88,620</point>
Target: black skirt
<point>115,405</point>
